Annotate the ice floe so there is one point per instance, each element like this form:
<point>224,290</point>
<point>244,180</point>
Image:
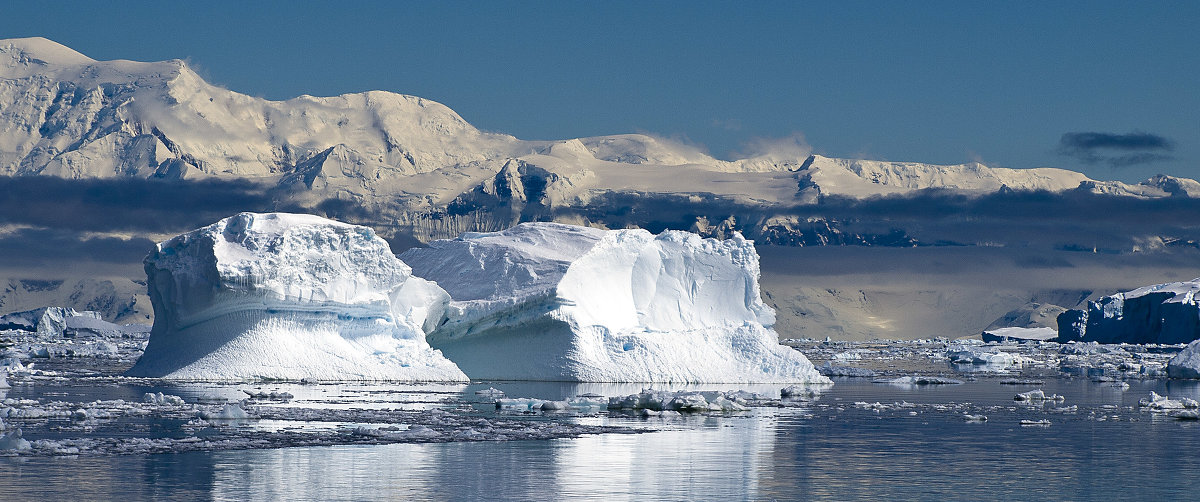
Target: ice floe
<point>919,380</point>
<point>1037,395</point>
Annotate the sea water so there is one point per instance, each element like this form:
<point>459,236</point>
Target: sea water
<point>857,440</point>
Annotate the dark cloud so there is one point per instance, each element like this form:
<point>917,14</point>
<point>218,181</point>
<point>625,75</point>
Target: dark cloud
<point>47,246</point>
<point>125,204</point>
<point>1028,220</point>
<point>1116,150</point>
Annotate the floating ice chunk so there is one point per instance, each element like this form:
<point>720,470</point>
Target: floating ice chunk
<point>829,370</point>
<point>4,379</point>
<point>1186,364</point>
<point>272,395</point>
<point>1162,403</point>
<point>1022,381</point>
<point>228,412</point>
<point>1037,395</point>
<point>683,401</point>
<point>490,391</point>
<point>586,402</point>
<point>519,404</point>
<point>160,398</point>
<point>975,418</point>
<point>1035,423</point>
<point>799,392</point>
<point>647,413</point>
<point>530,404</point>
<point>287,296</point>
<point>919,380</point>
<point>979,356</point>
<point>546,301</point>
<point>13,441</point>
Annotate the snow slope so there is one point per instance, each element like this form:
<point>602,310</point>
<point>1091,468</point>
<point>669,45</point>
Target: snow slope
<point>863,178</point>
<point>285,296</point>
<point>1162,313</point>
<point>546,301</point>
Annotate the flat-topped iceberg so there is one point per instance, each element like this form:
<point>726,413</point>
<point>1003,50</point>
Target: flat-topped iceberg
<point>546,301</point>
<point>1162,313</point>
<point>287,296</point>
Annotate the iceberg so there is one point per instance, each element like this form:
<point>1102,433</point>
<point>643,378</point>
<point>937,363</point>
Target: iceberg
<point>548,301</point>
<point>288,296</point>
<point>961,354</point>
<point>1186,364</point>
<point>1162,313</point>
<point>49,322</point>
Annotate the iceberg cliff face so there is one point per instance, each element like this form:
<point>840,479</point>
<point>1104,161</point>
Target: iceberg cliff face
<point>545,301</point>
<point>287,296</point>
<point>1162,313</point>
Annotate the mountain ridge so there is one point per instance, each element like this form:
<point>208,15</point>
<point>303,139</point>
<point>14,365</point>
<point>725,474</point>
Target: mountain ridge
<point>76,117</point>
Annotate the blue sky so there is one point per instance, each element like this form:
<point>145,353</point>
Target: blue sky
<point>1006,83</point>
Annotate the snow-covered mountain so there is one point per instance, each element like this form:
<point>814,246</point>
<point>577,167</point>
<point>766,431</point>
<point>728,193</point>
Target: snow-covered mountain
<point>70,116</point>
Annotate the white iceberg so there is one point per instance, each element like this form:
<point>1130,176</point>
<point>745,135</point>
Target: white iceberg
<point>546,301</point>
<point>286,296</point>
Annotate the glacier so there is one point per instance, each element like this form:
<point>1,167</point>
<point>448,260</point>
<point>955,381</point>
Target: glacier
<point>549,301</point>
<point>288,296</point>
<point>1162,313</point>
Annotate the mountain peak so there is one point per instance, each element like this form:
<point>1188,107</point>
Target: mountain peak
<point>41,51</point>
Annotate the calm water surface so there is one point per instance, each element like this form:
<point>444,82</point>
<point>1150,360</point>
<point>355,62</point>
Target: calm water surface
<point>921,448</point>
